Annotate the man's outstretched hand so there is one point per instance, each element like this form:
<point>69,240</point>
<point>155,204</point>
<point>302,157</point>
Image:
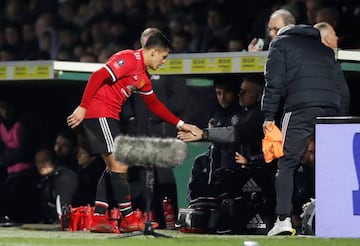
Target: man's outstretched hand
<point>76,117</point>
<point>189,133</point>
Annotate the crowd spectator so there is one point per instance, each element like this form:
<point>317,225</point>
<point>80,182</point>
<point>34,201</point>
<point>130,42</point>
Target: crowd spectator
<point>328,15</point>
<point>216,30</point>
<point>235,43</point>
<point>312,9</point>
<point>47,34</point>
<point>13,40</point>
<point>211,24</point>
<point>88,57</point>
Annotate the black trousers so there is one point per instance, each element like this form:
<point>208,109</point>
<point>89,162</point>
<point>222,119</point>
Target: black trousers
<point>297,126</point>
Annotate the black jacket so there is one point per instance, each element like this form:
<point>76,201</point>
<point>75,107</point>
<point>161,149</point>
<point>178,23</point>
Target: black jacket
<point>220,154</point>
<point>62,182</point>
<point>300,72</point>
<point>223,152</point>
<point>244,135</point>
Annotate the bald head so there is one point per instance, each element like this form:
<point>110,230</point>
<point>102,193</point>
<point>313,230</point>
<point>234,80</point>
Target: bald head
<point>278,20</point>
<point>328,34</point>
<point>285,15</point>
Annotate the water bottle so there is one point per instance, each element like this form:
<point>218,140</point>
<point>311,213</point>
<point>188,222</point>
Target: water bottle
<point>169,214</point>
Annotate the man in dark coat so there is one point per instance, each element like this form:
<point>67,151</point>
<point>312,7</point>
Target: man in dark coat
<point>303,81</point>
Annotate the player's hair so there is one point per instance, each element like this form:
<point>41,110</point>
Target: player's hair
<point>147,33</point>
<point>158,40</point>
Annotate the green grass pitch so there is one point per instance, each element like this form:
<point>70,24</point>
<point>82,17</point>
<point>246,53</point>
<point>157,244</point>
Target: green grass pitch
<point>44,235</point>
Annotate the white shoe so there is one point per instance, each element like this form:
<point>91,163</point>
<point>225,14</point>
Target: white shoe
<point>282,227</point>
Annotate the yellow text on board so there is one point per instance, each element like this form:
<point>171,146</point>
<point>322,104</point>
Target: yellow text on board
<point>171,66</point>
<point>211,65</point>
<point>3,72</point>
<point>31,72</point>
<point>252,64</point>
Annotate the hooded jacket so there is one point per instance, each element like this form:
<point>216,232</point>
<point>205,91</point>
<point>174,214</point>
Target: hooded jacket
<point>300,72</point>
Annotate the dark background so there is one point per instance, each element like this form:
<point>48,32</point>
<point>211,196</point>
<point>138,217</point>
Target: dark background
<point>51,101</point>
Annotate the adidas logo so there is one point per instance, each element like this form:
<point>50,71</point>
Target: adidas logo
<point>256,223</point>
<point>251,186</point>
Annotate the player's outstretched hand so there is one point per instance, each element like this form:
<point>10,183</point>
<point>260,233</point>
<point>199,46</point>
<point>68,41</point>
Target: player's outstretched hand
<point>189,133</point>
<point>76,117</point>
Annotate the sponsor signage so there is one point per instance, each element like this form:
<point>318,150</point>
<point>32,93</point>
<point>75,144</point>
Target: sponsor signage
<point>171,66</point>
<point>211,65</point>
<point>32,72</point>
<point>3,72</point>
<point>26,70</point>
<point>252,63</point>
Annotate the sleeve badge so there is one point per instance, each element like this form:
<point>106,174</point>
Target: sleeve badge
<point>121,62</point>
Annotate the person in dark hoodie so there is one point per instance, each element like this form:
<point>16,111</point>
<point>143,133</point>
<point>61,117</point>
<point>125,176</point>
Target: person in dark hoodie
<point>200,183</point>
<point>303,82</point>
<point>19,138</point>
<point>57,186</point>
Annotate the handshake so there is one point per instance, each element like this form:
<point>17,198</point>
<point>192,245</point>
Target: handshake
<point>216,134</point>
<point>195,134</point>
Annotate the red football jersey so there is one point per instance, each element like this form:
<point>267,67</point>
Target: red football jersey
<point>110,86</point>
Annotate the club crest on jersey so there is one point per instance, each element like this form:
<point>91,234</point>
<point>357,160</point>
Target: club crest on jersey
<point>121,62</point>
<point>131,88</point>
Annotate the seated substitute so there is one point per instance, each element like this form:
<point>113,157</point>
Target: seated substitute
<point>58,185</point>
<point>242,176</point>
<point>227,95</point>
